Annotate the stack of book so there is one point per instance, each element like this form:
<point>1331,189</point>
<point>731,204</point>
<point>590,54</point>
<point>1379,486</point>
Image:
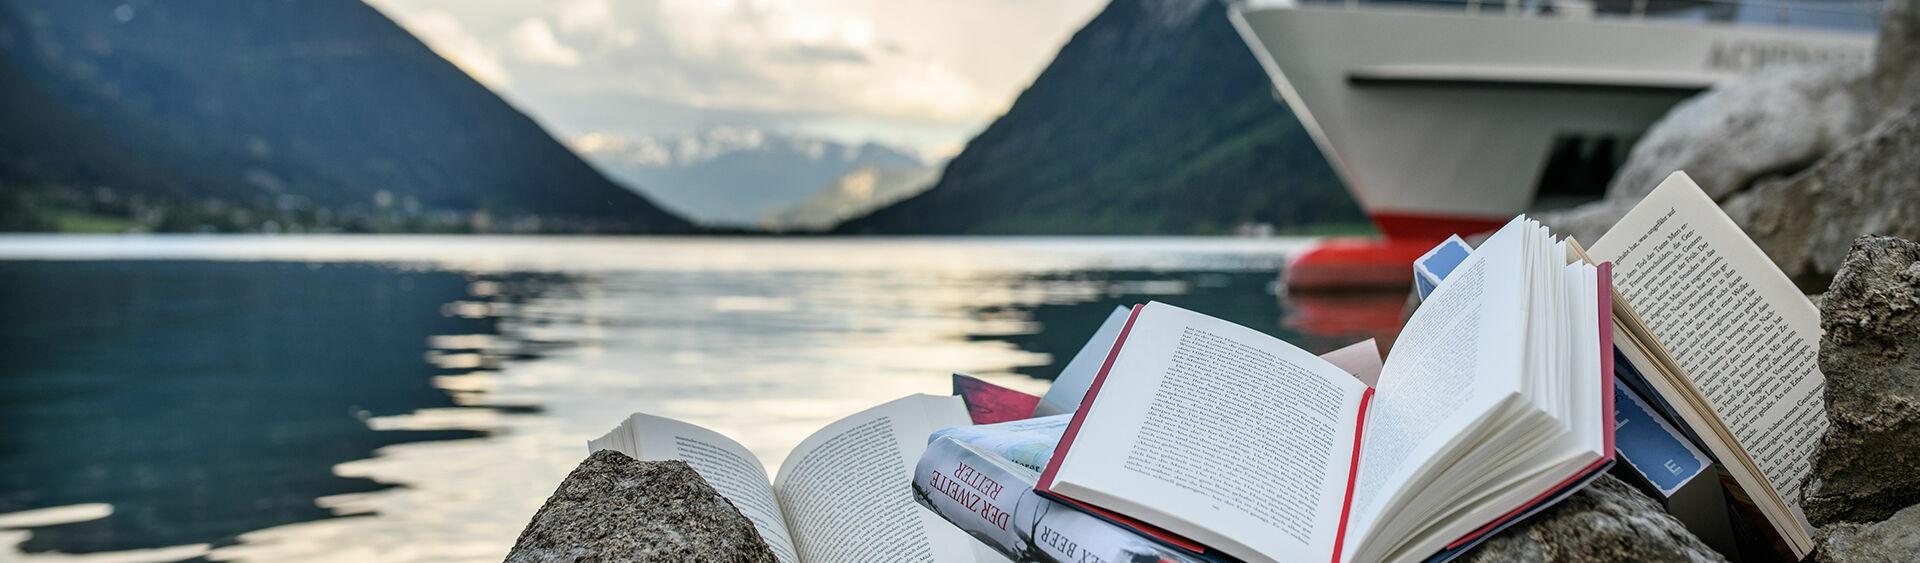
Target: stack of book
<point>1527,370</point>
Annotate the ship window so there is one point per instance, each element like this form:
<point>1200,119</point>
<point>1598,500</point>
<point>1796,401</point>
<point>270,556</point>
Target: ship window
<point>1855,15</point>
<point>1579,166</point>
<point>1862,15</point>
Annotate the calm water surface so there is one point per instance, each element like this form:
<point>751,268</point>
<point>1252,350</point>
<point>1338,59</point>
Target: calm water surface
<point>417,398</point>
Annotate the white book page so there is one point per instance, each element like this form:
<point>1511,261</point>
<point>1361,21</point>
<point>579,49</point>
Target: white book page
<point>1745,335</point>
<point>1456,361</point>
<point>1219,433</point>
<point>730,468</point>
<point>847,490</point>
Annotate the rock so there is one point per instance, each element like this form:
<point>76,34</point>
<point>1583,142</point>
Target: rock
<point>1896,539</point>
<point>1868,465</point>
<point>1607,521</point>
<point>1896,60</point>
<point>1806,222</point>
<point>614,508</point>
<point>1776,120</point>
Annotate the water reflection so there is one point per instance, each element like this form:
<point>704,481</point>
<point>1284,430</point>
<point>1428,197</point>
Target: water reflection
<point>268,409</point>
<point>204,399</point>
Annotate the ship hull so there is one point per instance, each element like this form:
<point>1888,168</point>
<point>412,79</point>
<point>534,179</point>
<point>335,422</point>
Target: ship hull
<point>1440,121</point>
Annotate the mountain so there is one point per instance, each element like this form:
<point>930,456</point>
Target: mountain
<point>1154,118</point>
<point>856,193</point>
<point>731,176</point>
<point>317,111</point>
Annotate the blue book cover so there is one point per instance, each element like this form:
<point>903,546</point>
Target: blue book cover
<point>1651,446</point>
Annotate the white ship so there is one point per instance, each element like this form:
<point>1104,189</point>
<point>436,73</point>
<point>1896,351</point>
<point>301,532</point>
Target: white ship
<point>1453,115</point>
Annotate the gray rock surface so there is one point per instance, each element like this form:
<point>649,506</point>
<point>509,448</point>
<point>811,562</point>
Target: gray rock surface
<point>1868,465</point>
<point>615,508</point>
<point>1778,125</point>
<point>1896,539</point>
<point>1807,221</point>
<point>1896,58</point>
<point>1607,521</point>
<point>1777,119</point>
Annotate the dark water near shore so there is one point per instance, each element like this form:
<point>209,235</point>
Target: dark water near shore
<point>409,398</point>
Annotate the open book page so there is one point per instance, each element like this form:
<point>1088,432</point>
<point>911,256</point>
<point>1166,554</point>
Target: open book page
<point>847,492</point>
<point>1454,363</point>
<point>1742,332</point>
<point>1219,433</point>
<point>730,468</point>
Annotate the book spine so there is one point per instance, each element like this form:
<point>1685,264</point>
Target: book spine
<point>994,501</point>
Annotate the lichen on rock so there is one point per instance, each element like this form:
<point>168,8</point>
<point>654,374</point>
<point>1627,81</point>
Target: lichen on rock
<point>1868,465</point>
<point>1606,521</point>
<point>615,508</point>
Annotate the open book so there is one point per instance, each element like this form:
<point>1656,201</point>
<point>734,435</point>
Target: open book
<point>842,495</point>
<point>1725,340</point>
<point>1494,402</point>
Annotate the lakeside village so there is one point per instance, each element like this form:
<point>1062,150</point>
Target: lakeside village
<point>104,209</point>
<point>1656,396</point>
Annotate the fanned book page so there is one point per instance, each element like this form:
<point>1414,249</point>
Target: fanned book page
<point>1742,336</point>
<point>842,495</point>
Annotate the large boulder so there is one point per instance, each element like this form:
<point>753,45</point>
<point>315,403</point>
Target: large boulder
<point>615,508</point>
<point>1607,521</point>
<point>1894,540</point>
<point>1896,58</point>
<point>1780,118</point>
<point>1867,467</point>
<point>1806,222</point>
<point>1765,145</point>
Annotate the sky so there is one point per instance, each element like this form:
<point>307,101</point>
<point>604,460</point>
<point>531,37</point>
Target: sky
<point>621,76</point>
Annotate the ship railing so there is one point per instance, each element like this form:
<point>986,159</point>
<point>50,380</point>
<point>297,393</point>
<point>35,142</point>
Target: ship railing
<point>1826,14</point>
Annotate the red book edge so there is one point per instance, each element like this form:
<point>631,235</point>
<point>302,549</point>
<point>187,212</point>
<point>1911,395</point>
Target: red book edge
<point>1605,279</point>
<point>988,403</point>
<point>1156,532</point>
<point>1086,404</point>
<point>1353,471</point>
<point>1045,485</point>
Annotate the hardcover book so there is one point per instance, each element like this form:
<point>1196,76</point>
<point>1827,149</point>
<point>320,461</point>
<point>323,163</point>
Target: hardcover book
<point>1494,403</point>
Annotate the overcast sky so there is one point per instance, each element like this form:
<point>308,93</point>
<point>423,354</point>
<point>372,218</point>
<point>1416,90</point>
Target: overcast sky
<point>922,74</point>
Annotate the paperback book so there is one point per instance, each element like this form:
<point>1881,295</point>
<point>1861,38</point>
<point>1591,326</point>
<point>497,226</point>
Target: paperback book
<point>841,495</point>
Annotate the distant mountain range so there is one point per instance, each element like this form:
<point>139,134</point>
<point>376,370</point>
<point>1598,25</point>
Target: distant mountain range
<point>856,193</point>
<point>739,177</point>
<point>1154,118</point>
<point>224,114</point>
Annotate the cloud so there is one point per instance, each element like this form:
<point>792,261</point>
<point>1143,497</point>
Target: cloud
<point>595,20</point>
<point>443,33</point>
<point>775,57</point>
<point>921,73</point>
<point>576,15</point>
<point>533,41</point>
<point>650,151</point>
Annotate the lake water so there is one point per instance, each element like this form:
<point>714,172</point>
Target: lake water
<point>409,398</point>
